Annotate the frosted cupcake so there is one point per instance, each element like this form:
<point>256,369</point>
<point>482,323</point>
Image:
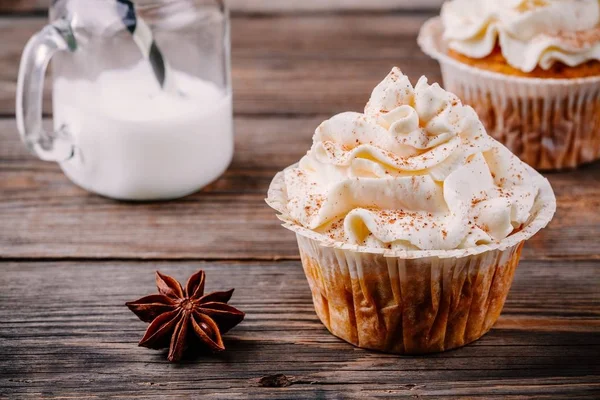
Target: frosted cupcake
<point>410,220</point>
<point>531,69</point>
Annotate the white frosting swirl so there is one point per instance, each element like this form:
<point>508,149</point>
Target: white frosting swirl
<point>415,171</point>
<point>529,32</point>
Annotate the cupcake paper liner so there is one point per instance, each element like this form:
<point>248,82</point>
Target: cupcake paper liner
<point>548,123</point>
<point>407,306</point>
<point>409,301</point>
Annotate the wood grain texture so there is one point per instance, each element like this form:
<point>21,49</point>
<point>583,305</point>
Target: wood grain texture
<point>283,65</point>
<point>267,6</point>
<point>280,6</point>
<point>47,216</point>
<point>65,332</point>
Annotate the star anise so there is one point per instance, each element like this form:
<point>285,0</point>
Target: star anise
<point>180,318</point>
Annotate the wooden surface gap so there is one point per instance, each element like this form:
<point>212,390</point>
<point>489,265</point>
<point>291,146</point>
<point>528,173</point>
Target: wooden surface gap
<point>233,258</point>
<point>395,11</point>
<point>266,259</point>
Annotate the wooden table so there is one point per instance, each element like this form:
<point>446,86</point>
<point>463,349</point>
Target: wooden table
<point>69,259</point>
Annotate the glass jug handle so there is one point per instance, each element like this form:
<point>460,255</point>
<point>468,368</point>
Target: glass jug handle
<point>49,146</point>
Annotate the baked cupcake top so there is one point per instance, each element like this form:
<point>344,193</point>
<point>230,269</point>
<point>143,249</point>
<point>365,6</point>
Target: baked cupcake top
<point>416,171</point>
<point>529,33</point>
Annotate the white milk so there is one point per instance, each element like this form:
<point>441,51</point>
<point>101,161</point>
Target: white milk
<point>135,142</point>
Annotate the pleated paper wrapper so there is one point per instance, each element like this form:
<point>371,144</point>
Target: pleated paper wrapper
<point>551,124</point>
<point>409,302</point>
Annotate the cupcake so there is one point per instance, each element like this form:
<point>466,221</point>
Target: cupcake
<point>531,70</point>
<point>410,220</point>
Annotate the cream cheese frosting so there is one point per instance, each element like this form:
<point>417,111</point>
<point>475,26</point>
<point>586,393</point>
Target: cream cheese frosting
<point>416,170</point>
<point>529,32</point>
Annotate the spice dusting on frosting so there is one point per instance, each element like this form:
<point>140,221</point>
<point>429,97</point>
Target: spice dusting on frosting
<point>530,5</point>
<point>416,170</point>
<point>529,33</point>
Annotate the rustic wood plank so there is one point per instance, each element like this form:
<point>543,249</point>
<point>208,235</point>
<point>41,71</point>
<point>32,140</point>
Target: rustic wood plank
<point>50,217</point>
<point>64,332</point>
<point>283,65</point>
<point>20,6</point>
<point>270,6</point>
<point>267,6</point>
<point>47,216</point>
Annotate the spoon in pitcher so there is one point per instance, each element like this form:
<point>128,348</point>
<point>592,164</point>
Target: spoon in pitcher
<point>144,39</point>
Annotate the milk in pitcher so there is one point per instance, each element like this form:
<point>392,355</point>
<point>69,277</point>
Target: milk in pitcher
<point>135,141</point>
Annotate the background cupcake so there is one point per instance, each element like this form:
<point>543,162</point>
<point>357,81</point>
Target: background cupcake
<point>530,68</point>
<point>410,219</point>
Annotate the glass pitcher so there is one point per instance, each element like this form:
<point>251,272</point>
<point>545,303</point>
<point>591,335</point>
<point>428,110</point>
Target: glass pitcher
<point>127,126</point>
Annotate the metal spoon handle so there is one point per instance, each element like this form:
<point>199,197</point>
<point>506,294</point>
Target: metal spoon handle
<point>143,37</point>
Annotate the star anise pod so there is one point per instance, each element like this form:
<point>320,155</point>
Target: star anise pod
<point>180,318</point>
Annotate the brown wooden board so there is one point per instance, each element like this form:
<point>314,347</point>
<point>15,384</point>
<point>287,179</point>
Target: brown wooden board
<point>19,6</point>
<point>65,332</point>
<point>44,215</point>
